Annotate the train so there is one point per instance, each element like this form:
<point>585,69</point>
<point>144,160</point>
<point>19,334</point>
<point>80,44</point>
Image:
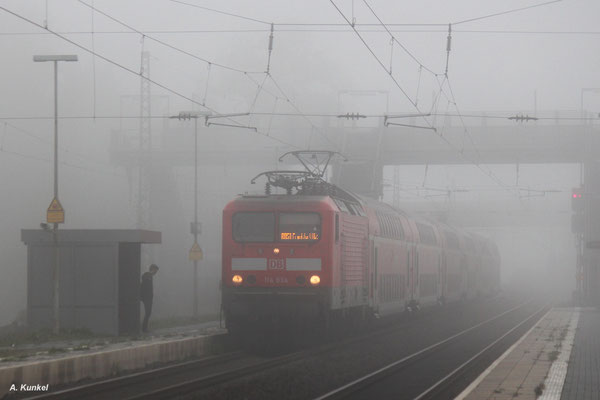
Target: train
<point>319,254</point>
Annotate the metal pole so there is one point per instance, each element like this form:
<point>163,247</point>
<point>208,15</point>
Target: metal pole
<point>195,214</point>
<point>56,263</point>
<point>56,132</point>
<point>56,269</point>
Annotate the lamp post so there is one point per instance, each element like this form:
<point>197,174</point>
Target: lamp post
<point>195,252</point>
<point>55,213</point>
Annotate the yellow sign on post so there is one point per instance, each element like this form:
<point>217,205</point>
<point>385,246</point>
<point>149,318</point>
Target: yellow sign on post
<point>196,253</point>
<point>55,213</point>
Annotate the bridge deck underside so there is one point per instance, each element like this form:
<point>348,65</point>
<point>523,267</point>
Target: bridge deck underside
<point>487,145</point>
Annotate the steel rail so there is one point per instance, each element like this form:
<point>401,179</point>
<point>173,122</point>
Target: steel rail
<point>186,387</point>
<point>171,371</point>
<point>111,384</point>
<point>208,381</point>
<point>444,383</point>
<point>369,379</point>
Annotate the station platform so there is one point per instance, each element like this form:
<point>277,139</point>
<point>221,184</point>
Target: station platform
<point>63,362</point>
<point>558,358</point>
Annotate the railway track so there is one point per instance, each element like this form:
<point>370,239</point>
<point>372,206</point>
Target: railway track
<point>109,387</point>
<point>444,387</point>
<point>197,375</point>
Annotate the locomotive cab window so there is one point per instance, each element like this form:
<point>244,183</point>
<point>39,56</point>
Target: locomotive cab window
<point>299,227</point>
<point>253,227</point>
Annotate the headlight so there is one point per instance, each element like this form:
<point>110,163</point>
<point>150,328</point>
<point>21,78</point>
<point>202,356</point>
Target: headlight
<point>315,280</point>
<point>237,279</point>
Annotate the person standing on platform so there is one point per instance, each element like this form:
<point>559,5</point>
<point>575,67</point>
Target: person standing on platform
<point>147,293</point>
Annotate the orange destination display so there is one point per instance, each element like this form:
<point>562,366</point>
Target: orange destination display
<point>299,236</point>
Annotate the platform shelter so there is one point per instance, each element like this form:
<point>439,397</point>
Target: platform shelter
<point>99,273</point>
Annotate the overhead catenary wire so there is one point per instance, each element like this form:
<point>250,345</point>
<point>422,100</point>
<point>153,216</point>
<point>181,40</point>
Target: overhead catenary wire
<point>493,177</point>
<point>210,63</point>
<point>339,25</point>
<point>304,115</point>
<point>378,60</point>
<point>461,153</point>
<point>308,115</point>
<point>258,90</point>
<point>257,83</point>
<point>301,114</point>
<point>271,119</point>
<point>222,12</point>
<point>297,114</point>
<point>83,157</point>
<point>268,68</point>
<point>342,29</point>
<point>145,35</point>
<point>487,171</point>
<point>393,38</point>
<point>129,70</point>
<point>514,10</point>
<point>353,22</point>
<point>64,163</point>
<point>207,82</point>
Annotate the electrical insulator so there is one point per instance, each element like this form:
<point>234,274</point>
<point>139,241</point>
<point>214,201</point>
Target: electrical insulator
<point>271,39</point>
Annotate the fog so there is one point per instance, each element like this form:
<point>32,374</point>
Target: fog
<point>540,61</point>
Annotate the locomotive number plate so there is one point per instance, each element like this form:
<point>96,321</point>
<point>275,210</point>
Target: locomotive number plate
<point>275,280</point>
<point>276,263</point>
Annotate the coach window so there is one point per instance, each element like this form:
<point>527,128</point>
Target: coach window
<point>400,228</point>
<point>390,225</point>
<point>395,224</point>
<point>299,227</point>
<point>386,229</point>
<point>253,227</point>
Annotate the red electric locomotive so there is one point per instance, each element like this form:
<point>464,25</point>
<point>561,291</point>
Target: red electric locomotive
<point>319,253</point>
